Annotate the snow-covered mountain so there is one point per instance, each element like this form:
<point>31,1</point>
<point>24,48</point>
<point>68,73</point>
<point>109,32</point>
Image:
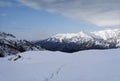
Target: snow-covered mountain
<point>72,42</point>
<point>9,44</point>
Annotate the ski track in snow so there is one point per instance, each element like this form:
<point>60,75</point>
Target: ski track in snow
<point>91,65</point>
<point>54,74</point>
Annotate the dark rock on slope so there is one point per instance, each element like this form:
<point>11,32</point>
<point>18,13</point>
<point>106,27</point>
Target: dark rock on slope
<point>10,45</point>
<point>106,39</point>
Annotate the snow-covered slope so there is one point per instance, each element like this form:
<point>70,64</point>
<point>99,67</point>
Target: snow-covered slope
<point>71,37</point>
<point>9,44</point>
<point>91,65</point>
<point>81,41</point>
<point>107,34</point>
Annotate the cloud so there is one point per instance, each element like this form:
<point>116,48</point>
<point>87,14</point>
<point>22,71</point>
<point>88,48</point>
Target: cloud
<point>97,12</point>
<point>5,4</point>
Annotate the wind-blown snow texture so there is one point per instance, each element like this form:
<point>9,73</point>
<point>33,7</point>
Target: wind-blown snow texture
<point>82,41</point>
<point>91,65</point>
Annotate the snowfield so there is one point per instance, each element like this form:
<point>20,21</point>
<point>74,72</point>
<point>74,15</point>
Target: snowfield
<point>91,65</point>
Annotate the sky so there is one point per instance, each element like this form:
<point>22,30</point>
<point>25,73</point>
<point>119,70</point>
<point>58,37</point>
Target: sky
<point>40,19</point>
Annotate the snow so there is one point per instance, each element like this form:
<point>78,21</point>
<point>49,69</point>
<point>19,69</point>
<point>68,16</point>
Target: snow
<point>110,36</point>
<point>72,37</point>
<point>107,34</point>
<point>103,34</point>
<point>72,42</point>
<point>9,44</point>
<point>91,65</point>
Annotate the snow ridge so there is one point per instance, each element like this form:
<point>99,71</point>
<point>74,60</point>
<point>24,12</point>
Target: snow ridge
<point>73,37</point>
<point>9,45</point>
<point>72,42</point>
<point>107,34</point>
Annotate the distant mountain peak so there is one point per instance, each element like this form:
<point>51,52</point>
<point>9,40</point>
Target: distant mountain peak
<point>104,34</point>
<point>72,42</point>
<point>107,34</point>
<point>6,35</point>
<point>70,36</point>
<point>10,45</point>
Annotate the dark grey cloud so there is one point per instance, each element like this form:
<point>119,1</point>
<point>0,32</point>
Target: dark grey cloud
<point>97,12</point>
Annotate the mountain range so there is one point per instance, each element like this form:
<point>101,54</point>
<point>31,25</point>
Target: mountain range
<point>73,42</point>
<point>70,42</point>
<point>10,45</point>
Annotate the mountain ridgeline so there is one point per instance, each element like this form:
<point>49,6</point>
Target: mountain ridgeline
<point>70,42</point>
<point>10,45</point>
<point>74,42</point>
